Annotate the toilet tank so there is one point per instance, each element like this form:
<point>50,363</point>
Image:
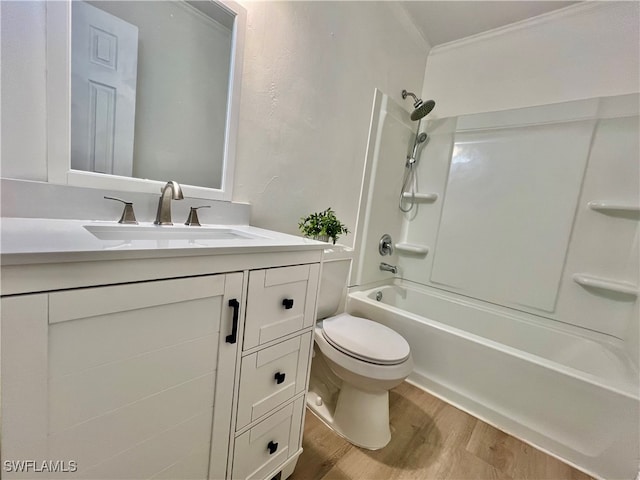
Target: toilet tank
<point>336,266</point>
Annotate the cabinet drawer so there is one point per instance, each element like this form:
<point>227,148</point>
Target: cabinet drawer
<point>280,301</point>
<point>261,450</point>
<point>272,376</point>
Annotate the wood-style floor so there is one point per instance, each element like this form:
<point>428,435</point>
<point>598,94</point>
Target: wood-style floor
<point>430,440</point>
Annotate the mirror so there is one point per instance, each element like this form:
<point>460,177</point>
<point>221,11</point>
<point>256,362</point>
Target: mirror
<point>153,94</point>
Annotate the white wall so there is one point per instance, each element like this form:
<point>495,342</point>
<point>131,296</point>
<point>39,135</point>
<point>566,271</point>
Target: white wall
<point>584,51</point>
<point>309,77</point>
<point>24,136</point>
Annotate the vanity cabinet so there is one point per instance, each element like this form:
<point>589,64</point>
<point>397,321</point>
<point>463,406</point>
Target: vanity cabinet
<point>197,376</point>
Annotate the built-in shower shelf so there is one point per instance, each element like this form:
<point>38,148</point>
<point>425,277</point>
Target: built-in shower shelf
<point>614,208</point>
<point>591,281</point>
<point>412,248</point>
<point>420,197</point>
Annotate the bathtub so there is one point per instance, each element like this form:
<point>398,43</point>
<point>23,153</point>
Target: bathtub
<point>570,395</point>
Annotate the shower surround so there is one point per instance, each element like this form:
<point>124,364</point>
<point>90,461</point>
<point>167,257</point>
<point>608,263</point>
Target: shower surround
<point>518,269</point>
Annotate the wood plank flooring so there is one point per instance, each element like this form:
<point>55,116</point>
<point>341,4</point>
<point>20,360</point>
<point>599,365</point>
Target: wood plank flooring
<point>431,440</point>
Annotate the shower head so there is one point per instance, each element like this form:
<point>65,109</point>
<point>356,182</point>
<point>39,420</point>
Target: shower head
<point>421,109</point>
<point>418,141</point>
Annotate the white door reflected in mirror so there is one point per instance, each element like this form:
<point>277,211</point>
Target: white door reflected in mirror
<point>104,66</point>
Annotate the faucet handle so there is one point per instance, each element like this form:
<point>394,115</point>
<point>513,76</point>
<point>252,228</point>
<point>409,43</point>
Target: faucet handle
<point>128,216</point>
<point>385,246</point>
<point>192,220</point>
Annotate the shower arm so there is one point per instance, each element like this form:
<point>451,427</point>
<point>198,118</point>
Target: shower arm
<point>416,100</point>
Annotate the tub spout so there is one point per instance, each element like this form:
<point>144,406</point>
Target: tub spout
<point>385,267</point>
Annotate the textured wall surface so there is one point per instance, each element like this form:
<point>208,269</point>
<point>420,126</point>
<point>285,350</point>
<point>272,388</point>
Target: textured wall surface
<point>309,77</point>
<point>24,134</point>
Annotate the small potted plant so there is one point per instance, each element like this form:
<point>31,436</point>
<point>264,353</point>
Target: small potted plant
<point>322,226</point>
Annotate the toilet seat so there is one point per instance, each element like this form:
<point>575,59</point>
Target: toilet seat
<point>365,340</point>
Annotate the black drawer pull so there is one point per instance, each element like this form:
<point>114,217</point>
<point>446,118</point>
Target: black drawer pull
<point>272,447</point>
<point>279,377</point>
<point>287,303</point>
<point>233,337</point>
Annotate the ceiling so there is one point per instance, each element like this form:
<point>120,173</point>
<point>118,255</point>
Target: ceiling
<point>445,21</point>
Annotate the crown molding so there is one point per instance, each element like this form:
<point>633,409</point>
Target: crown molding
<point>572,10</point>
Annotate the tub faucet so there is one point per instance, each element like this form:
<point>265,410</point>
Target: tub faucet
<point>385,267</point>
<point>163,217</point>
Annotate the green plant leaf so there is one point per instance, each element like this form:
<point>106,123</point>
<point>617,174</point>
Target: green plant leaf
<point>322,223</point>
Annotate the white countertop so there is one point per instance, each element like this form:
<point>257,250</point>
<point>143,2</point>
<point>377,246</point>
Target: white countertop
<point>38,240</point>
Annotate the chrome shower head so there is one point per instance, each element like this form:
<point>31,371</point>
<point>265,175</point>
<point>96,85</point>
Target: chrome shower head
<point>417,143</point>
<point>421,109</point>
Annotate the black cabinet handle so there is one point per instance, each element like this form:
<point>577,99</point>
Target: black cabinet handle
<point>279,377</point>
<point>233,337</point>
<point>272,447</point>
<point>287,303</point>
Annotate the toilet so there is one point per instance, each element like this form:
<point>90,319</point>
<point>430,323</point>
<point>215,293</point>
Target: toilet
<point>356,361</point>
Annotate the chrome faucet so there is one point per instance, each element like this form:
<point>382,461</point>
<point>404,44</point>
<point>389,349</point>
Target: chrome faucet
<point>163,217</point>
<point>385,267</point>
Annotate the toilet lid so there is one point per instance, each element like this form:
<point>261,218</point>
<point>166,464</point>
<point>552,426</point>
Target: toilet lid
<point>366,340</point>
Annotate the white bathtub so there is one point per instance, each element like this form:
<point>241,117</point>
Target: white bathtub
<point>571,396</point>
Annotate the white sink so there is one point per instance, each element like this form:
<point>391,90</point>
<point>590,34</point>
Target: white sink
<point>166,232</point>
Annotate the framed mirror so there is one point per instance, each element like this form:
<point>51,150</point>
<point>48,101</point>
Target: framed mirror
<point>141,92</point>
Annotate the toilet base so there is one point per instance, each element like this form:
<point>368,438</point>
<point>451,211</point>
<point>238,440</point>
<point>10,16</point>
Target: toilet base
<point>362,418</point>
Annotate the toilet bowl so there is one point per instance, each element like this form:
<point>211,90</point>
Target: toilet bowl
<point>366,354</point>
<point>356,361</point>
<point>367,359</point>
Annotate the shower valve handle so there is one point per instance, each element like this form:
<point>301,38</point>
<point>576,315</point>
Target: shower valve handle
<point>385,247</point>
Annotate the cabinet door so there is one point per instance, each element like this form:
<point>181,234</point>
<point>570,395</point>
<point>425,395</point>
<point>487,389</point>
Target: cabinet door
<point>131,373</point>
<point>23,330</point>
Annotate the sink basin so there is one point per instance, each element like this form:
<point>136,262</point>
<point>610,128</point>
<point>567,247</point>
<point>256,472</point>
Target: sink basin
<point>166,232</point>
